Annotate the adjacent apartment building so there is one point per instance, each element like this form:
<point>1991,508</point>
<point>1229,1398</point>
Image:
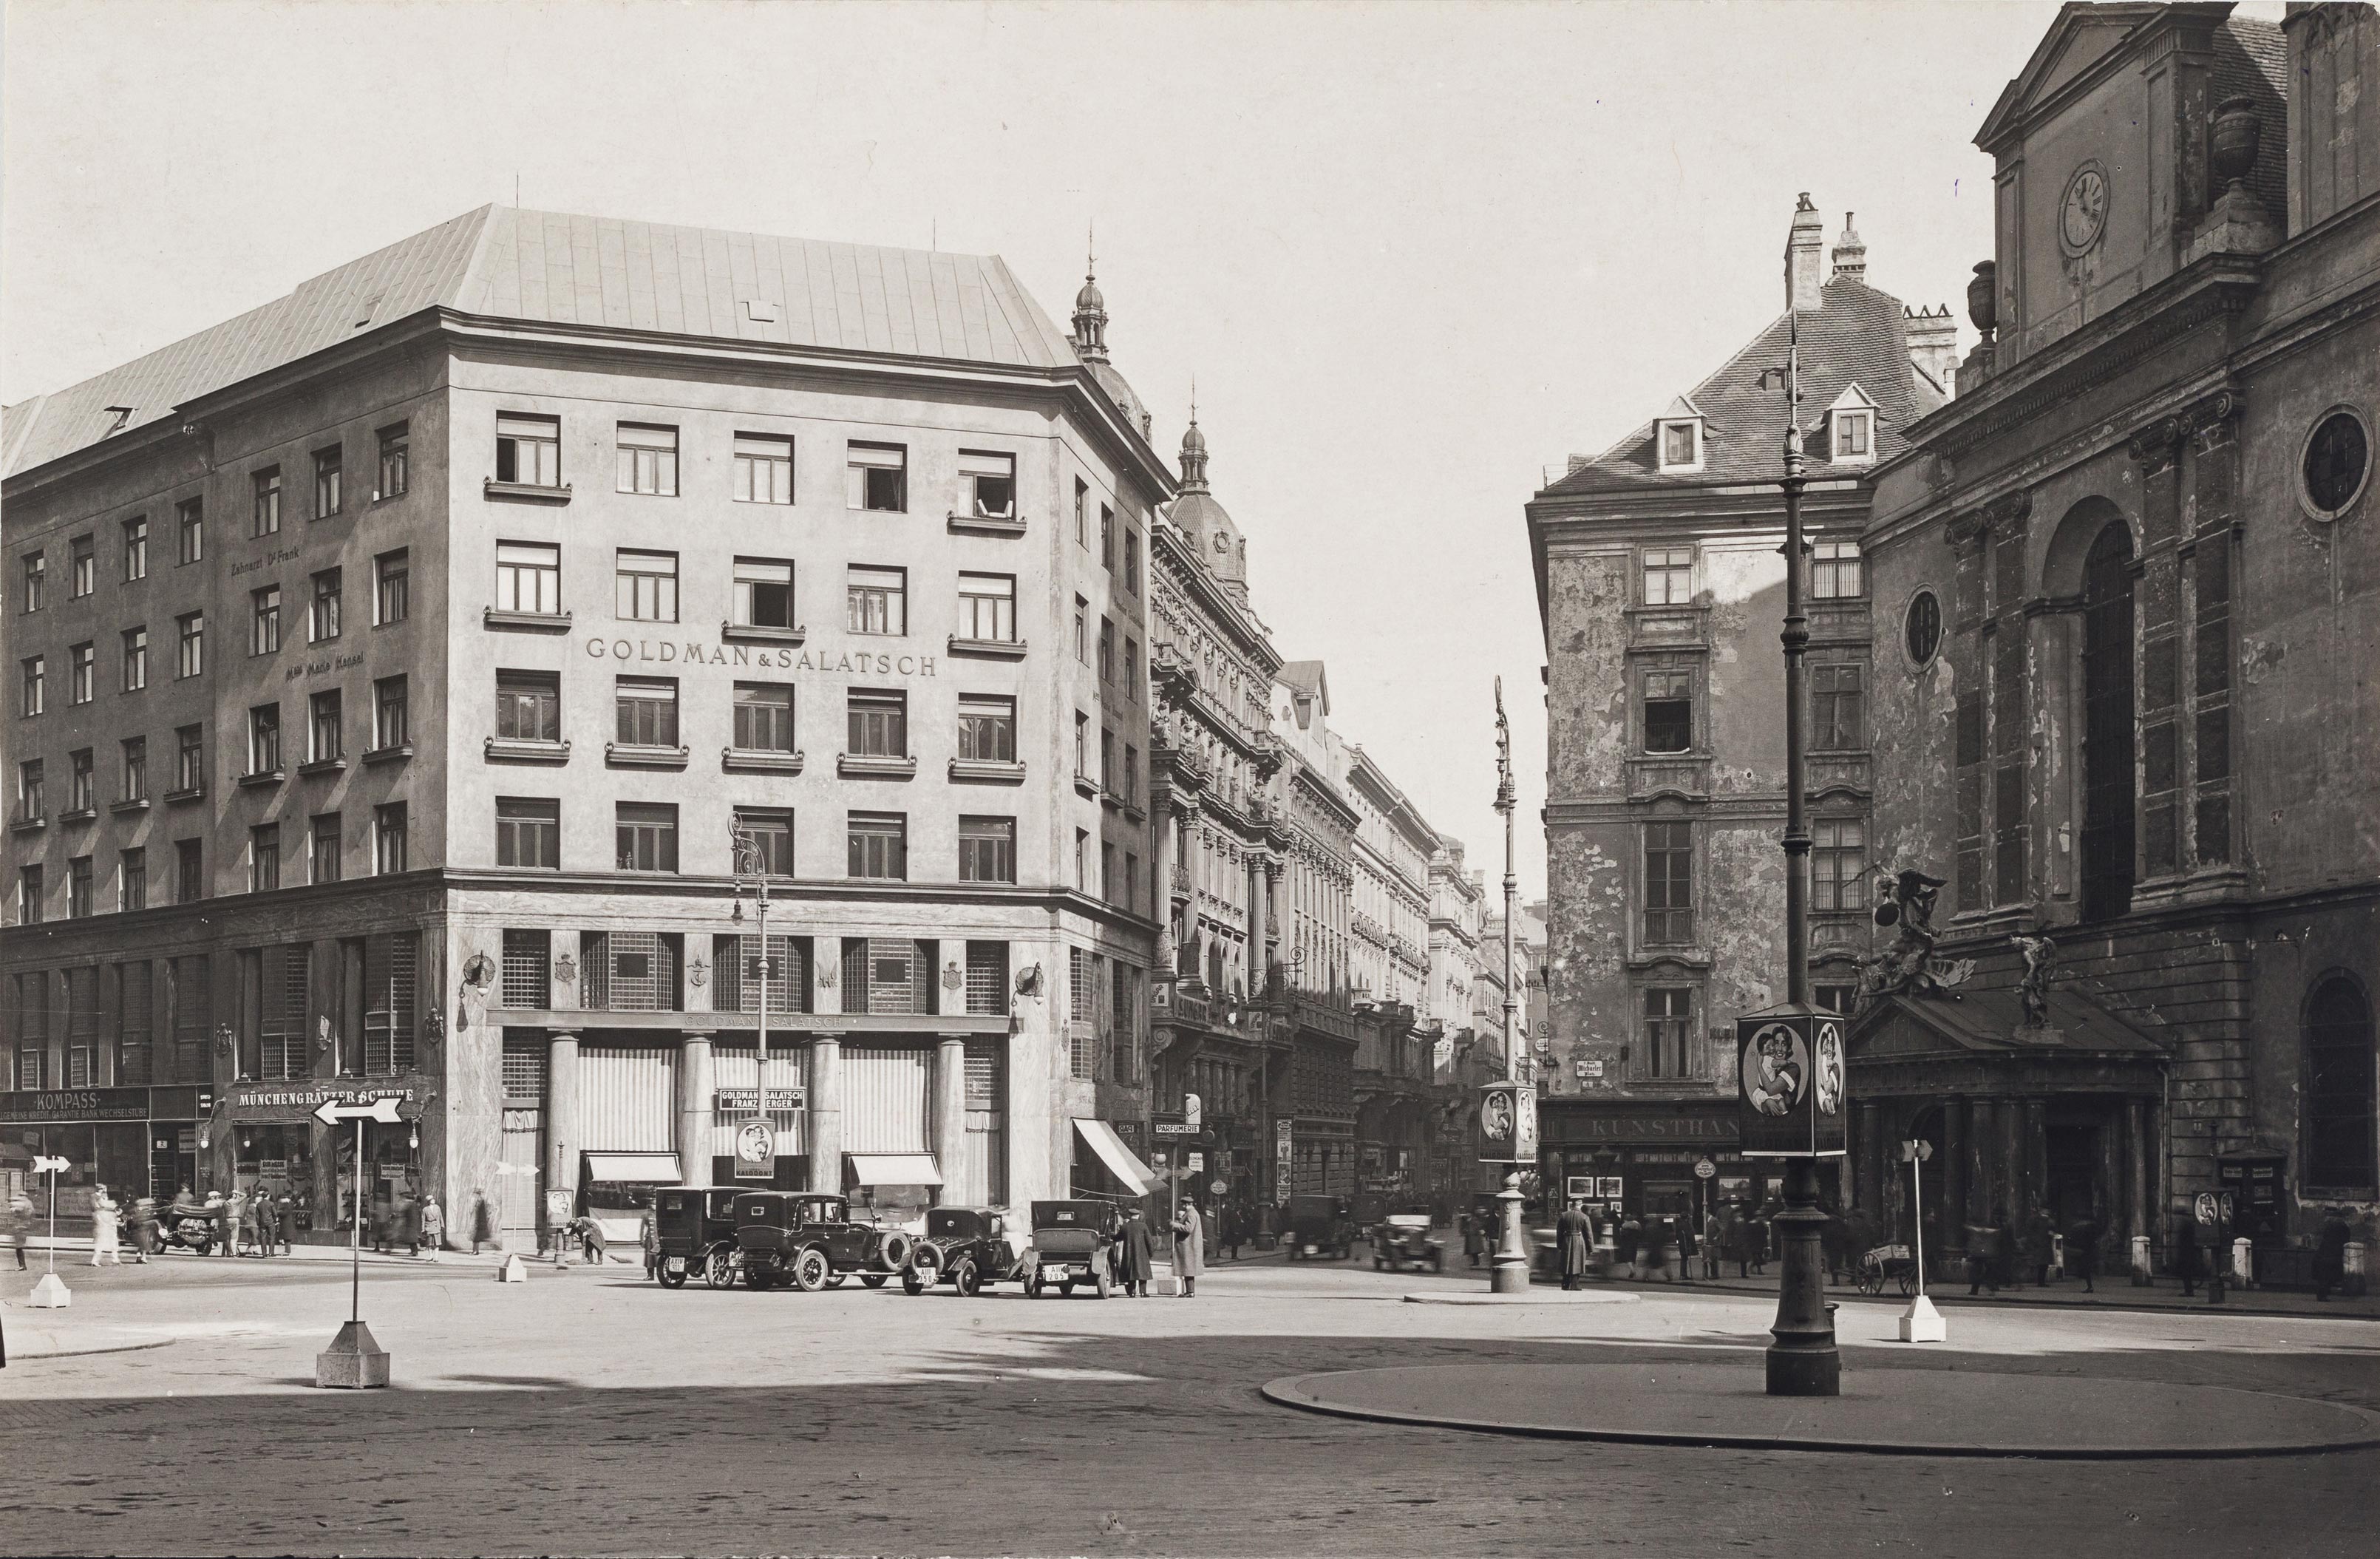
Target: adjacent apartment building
<point>415,676</point>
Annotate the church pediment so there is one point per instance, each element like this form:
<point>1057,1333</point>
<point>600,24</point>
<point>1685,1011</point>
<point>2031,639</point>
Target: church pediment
<point>2079,40</point>
<point>1994,1023</point>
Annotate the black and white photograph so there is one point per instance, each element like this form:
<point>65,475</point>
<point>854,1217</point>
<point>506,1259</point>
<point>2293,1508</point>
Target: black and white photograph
<point>1639,738</point>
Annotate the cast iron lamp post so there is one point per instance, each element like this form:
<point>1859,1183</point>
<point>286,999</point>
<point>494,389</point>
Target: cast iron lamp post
<point>751,860</point>
<point>1508,1270</point>
<point>1802,1360</point>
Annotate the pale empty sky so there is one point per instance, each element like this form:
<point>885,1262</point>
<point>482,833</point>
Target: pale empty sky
<point>1413,253</point>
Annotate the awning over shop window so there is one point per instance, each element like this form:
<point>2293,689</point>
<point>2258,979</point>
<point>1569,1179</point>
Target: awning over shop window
<point>648,1169</point>
<point>1137,1177</point>
<point>894,1169</point>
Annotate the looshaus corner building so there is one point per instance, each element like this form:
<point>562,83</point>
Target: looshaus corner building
<point>394,664</point>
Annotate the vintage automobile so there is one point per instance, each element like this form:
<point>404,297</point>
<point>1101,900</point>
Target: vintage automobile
<point>807,1238</point>
<point>967,1248</point>
<point>1070,1246</point>
<point>1318,1226</point>
<point>1402,1239</point>
<point>696,1232</point>
<point>183,1226</point>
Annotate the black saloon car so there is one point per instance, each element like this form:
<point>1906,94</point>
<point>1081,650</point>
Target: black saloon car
<point>967,1248</point>
<point>807,1238</point>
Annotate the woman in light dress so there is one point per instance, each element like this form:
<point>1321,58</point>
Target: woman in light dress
<point>106,1217</point>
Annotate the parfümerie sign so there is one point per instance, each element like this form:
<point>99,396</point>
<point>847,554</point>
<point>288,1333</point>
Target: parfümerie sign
<point>767,657</point>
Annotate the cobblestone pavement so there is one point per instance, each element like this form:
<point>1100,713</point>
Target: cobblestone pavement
<point>595,1412</point>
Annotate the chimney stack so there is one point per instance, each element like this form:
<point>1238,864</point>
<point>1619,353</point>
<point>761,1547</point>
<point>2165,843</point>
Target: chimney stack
<point>1850,253</point>
<point>1805,251</point>
<point>1934,346</point>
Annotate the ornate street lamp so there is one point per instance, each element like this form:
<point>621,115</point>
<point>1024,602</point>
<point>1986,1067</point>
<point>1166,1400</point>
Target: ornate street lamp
<point>1508,1110</point>
<point>752,861</point>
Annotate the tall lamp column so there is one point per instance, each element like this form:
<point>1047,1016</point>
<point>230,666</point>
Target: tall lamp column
<point>1508,1270</point>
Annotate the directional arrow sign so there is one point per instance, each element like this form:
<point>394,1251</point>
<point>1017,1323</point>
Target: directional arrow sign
<point>382,1110</point>
<point>51,1165</point>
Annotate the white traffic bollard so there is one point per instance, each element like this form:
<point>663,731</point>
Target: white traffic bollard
<point>2243,1261</point>
<point>2143,1273</point>
<point>514,1269</point>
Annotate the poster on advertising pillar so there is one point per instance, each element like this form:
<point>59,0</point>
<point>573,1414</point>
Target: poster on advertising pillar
<point>1789,1081</point>
<point>1507,1122</point>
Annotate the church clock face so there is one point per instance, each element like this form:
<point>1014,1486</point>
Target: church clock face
<point>2083,214</point>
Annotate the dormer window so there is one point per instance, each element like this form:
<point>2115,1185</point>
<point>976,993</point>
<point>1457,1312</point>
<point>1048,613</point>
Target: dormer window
<point>1850,428</point>
<point>1678,437</point>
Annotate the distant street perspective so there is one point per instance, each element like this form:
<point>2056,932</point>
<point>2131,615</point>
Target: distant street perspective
<point>695,864</point>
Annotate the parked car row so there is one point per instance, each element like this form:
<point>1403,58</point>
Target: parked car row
<point>809,1240</point>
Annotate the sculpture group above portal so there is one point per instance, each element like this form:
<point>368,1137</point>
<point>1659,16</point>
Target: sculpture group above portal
<point>1908,967</point>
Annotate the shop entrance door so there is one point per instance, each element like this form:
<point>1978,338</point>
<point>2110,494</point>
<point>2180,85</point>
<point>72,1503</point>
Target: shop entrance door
<point>173,1158</point>
<point>519,1183</point>
<point>2073,1166</point>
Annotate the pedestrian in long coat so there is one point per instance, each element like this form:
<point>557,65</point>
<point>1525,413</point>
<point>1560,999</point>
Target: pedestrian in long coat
<point>1625,1243</point>
<point>2330,1254</point>
<point>1136,1260</point>
<point>483,1220</point>
<point>144,1229</point>
<point>2083,1252</point>
<point>264,1215</point>
<point>1571,1233</point>
<point>1189,1246</point>
<point>2033,1246</point>
<point>1474,1243</point>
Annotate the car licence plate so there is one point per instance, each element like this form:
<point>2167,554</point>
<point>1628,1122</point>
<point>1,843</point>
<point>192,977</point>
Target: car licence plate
<point>677,1263</point>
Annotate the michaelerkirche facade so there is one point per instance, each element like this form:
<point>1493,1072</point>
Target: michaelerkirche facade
<point>2124,590</point>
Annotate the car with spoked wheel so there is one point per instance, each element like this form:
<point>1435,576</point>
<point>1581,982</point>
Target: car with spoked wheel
<point>965,1248</point>
<point>808,1240</point>
<point>694,1234</point>
<point>1071,1247</point>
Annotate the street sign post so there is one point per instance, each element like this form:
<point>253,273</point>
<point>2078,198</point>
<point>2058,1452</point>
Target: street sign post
<point>51,1293</point>
<point>354,1358</point>
<point>756,1149</point>
<point>1923,1323</point>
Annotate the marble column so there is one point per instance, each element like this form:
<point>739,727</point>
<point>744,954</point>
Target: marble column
<point>959,1186</point>
<point>696,1086</point>
<point>825,1142</point>
<point>561,1117</point>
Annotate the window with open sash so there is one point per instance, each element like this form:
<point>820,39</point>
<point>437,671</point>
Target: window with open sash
<point>878,477</point>
<point>992,482</point>
<point>764,592</point>
<point>529,449</point>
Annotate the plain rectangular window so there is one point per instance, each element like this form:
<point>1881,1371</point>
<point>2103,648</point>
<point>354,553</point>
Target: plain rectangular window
<point>135,659</point>
<point>992,482</point>
<point>987,607</point>
<point>1669,576</point>
<point>879,724</point>
<point>190,646</point>
<point>1130,561</point>
<point>82,780</point>
<point>1082,630</point>
<point>31,797</point>
<point>1083,859</point>
<point>322,619</point>
<point>1668,1015</point>
<point>1852,430</point>
<point>768,834</point>
<point>647,459</point>
<point>987,850</point>
<point>326,738</point>
<point>1130,775</point>
<point>529,577</point>
<point>190,758</point>
<point>136,548</point>
<point>83,571</point>
<point>1106,649</point>
<point>764,716</point>
<point>264,620</point>
<point>1668,882</point>
<point>764,468</point>
<point>1082,744</point>
<point>392,714</point>
<point>1837,715</point>
<point>878,477</point>
<point>1107,537</point>
<point>322,865</point>
<point>37,579</point>
<point>987,729</point>
<point>264,739</point>
<point>529,450</point>
<point>389,839</point>
<point>1678,444</point>
<point>134,752</point>
<point>35,678</point>
<point>267,486</point>
<point>1132,669</point>
<point>648,710</point>
<point>190,527</point>
<point>29,913</point>
<point>265,858</point>
<point>78,888</point>
<point>393,587</point>
<point>648,587</point>
<point>1082,513</point>
<point>1835,570</point>
<point>529,833</point>
<point>764,592</point>
<point>83,673</point>
<point>646,836</point>
<point>879,846</point>
<point>396,461</point>
<point>529,705</point>
<point>1668,710</point>
<point>189,870</point>
<point>1837,864</point>
<point>330,482</point>
<point>877,601</point>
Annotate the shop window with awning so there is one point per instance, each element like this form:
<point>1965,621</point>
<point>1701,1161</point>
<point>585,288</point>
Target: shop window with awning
<point>619,1195</point>
<point>1119,1160</point>
<point>893,1188</point>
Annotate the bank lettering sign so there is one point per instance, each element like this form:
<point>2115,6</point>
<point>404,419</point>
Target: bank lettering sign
<point>75,1105</point>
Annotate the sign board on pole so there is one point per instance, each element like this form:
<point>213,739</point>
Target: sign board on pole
<point>1705,1169</point>
<point>756,1150</point>
<point>1507,1122</point>
<point>1789,1081</point>
<point>1173,1129</point>
<point>746,1101</point>
<point>1283,1159</point>
<point>1192,1110</point>
<point>1195,1162</point>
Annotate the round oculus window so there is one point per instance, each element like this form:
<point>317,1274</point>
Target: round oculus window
<point>2336,464</point>
<point>1922,630</point>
